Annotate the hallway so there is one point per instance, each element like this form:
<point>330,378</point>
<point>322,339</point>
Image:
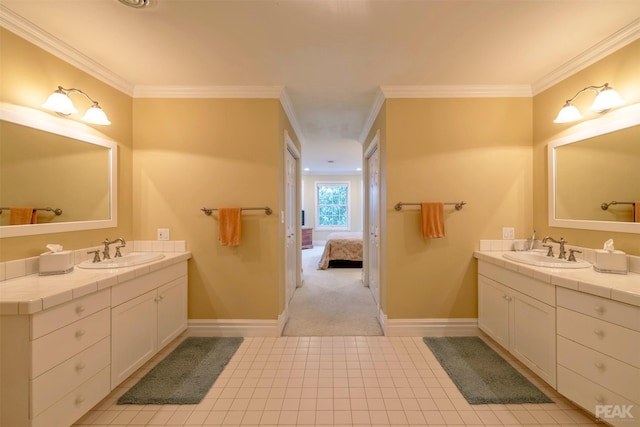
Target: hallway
<point>331,302</point>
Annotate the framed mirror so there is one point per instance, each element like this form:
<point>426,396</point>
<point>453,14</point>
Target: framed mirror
<point>63,171</point>
<point>594,174</point>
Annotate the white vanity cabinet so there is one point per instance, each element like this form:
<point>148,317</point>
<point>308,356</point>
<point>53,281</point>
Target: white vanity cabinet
<point>55,363</point>
<point>519,313</point>
<point>599,354</point>
<point>147,313</point>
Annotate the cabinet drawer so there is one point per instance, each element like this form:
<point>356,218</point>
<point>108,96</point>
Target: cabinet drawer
<point>75,404</point>
<point>58,346</point>
<point>143,284</point>
<point>48,387</point>
<point>55,318</point>
<point>613,340</point>
<point>601,308</point>
<point>601,369</point>
<point>589,395</point>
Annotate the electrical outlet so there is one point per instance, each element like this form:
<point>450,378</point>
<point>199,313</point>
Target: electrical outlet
<point>163,234</point>
<point>508,233</point>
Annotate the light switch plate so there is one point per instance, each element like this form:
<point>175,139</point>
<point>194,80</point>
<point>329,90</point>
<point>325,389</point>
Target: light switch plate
<point>508,233</point>
<point>163,234</point>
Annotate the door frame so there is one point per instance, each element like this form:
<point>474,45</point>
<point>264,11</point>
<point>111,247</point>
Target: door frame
<point>372,148</point>
<point>290,147</point>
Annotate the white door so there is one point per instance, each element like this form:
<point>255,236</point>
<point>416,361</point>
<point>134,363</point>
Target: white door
<point>373,253</point>
<point>291,226</point>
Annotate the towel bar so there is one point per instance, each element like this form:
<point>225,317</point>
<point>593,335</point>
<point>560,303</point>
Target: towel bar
<point>266,209</point>
<point>399,205</point>
<point>605,206</point>
<point>55,211</point>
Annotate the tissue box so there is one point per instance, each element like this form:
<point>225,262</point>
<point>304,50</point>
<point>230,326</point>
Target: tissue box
<point>56,263</point>
<point>611,262</point>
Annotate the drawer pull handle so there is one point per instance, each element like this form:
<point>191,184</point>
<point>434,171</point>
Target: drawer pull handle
<point>599,309</point>
<point>79,399</point>
<point>599,332</point>
<point>80,309</point>
<point>80,333</point>
<point>80,366</point>
<point>599,365</point>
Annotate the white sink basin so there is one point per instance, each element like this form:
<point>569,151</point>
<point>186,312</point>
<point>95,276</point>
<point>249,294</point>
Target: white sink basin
<point>129,260</point>
<point>540,259</point>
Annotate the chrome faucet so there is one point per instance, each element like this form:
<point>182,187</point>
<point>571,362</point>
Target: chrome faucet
<point>561,242</point>
<point>107,242</point>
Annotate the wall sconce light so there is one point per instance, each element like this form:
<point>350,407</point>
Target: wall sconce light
<point>606,99</point>
<point>60,102</point>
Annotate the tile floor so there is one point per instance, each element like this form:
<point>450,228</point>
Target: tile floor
<point>339,381</point>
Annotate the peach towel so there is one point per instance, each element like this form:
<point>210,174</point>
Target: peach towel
<point>19,216</point>
<point>432,219</point>
<point>229,226</point>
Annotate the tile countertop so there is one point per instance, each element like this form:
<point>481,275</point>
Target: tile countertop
<point>619,287</point>
<point>34,293</point>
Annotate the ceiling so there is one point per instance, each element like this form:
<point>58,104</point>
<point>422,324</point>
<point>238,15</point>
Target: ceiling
<point>331,61</point>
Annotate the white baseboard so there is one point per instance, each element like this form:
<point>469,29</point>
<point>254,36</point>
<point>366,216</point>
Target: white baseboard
<point>429,327</point>
<point>391,327</point>
<point>235,328</point>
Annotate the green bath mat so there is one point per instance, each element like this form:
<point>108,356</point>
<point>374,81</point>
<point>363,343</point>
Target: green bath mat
<point>185,375</point>
<point>481,375</point>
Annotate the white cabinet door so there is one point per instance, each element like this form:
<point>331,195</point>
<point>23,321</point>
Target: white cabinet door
<point>133,335</point>
<point>172,310</point>
<point>533,335</point>
<point>493,310</point>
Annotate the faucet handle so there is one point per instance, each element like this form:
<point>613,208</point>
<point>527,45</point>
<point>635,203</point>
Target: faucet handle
<point>96,255</point>
<point>118,254</point>
<point>550,252</point>
<point>572,256</point>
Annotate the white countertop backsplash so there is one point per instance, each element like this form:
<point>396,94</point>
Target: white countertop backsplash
<point>24,291</point>
<point>619,287</point>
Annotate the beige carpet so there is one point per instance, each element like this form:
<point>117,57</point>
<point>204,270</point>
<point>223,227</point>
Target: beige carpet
<point>331,302</point>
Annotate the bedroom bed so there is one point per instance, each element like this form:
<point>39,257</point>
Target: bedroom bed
<point>343,249</point>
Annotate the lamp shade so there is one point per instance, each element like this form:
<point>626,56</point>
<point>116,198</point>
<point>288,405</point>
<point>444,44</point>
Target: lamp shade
<point>96,116</point>
<point>60,103</point>
<point>569,113</point>
<point>606,99</point>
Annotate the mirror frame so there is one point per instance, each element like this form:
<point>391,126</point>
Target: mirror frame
<point>68,128</point>
<point>615,120</point>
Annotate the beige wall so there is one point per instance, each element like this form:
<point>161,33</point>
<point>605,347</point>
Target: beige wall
<point>309,201</point>
<point>620,70</point>
<point>27,77</point>
<point>194,153</point>
<point>476,150</point>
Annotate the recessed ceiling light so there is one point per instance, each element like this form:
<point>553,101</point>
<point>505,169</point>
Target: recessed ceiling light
<point>307,169</point>
<point>358,169</point>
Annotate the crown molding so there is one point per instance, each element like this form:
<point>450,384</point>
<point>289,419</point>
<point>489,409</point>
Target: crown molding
<point>373,113</point>
<point>287,105</point>
<point>444,91</point>
<point>207,92</point>
<point>28,31</point>
<point>616,41</point>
